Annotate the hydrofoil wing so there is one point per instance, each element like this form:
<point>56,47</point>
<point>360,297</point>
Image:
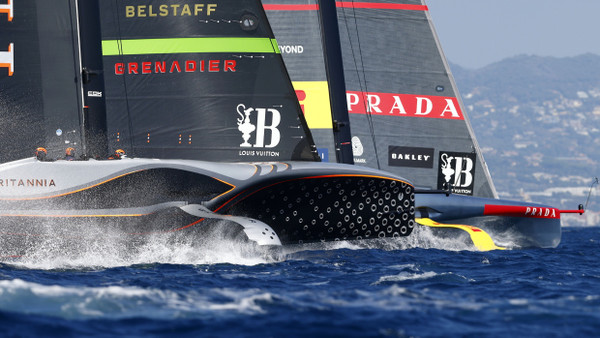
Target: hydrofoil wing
<point>256,230</point>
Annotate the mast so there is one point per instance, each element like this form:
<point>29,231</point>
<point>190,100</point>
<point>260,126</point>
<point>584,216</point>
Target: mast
<point>92,80</point>
<point>337,88</point>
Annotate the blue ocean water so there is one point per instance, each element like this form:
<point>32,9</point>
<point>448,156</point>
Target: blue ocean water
<point>221,288</point>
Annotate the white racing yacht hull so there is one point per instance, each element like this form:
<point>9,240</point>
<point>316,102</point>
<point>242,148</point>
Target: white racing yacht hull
<point>269,203</point>
<point>272,203</point>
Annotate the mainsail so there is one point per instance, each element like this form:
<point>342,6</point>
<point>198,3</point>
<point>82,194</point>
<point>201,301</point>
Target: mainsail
<point>298,23</point>
<point>181,82</point>
<point>405,112</point>
<point>184,86</point>
<point>40,99</point>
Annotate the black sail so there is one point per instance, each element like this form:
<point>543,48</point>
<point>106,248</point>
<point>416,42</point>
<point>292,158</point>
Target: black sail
<point>181,82</point>
<point>405,111</point>
<point>298,28</point>
<point>40,95</point>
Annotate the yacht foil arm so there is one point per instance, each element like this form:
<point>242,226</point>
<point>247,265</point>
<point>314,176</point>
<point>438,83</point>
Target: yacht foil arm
<point>256,230</point>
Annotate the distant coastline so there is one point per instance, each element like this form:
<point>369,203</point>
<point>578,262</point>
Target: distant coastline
<point>537,120</point>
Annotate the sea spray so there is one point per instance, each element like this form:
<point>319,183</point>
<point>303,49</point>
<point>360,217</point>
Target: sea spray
<point>95,248</point>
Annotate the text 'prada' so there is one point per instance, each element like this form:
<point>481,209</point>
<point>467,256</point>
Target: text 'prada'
<point>388,104</point>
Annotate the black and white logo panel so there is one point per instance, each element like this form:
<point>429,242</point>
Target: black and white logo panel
<point>458,171</point>
<point>410,157</point>
<point>247,128</point>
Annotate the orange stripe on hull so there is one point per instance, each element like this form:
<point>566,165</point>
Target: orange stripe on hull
<point>70,192</point>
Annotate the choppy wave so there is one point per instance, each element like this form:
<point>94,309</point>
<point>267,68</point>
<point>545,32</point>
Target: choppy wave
<point>118,302</point>
<point>225,287</point>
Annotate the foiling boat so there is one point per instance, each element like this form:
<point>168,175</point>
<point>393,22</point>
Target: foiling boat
<point>199,97</point>
<point>377,91</point>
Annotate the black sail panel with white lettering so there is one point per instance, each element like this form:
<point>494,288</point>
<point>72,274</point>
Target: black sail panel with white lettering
<point>40,99</point>
<point>405,112</point>
<point>297,28</point>
<point>198,80</point>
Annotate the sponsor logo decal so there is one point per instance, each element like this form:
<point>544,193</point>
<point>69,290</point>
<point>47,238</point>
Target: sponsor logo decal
<point>314,101</point>
<point>8,9</point>
<point>458,171</point>
<point>177,10</point>
<point>323,154</point>
<point>186,66</point>
<point>301,95</point>
<point>26,182</point>
<point>387,104</point>
<point>410,157</point>
<point>541,212</point>
<point>357,147</point>
<point>263,133</point>
<point>357,150</point>
<point>289,49</point>
<point>94,93</point>
<point>7,59</point>
<point>521,211</point>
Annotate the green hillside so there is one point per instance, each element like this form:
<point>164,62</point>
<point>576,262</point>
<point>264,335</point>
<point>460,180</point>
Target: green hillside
<point>537,120</point>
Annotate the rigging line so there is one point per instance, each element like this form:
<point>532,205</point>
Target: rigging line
<point>77,68</point>
<point>364,79</point>
<point>121,54</point>
<point>590,192</point>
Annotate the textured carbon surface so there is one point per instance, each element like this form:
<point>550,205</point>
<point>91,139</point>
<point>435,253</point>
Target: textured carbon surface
<point>332,208</point>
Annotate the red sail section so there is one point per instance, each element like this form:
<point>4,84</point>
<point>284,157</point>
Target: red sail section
<point>379,5</point>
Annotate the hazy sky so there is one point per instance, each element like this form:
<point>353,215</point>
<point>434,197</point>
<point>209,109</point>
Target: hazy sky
<point>475,33</point>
